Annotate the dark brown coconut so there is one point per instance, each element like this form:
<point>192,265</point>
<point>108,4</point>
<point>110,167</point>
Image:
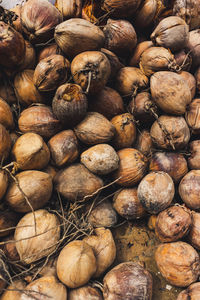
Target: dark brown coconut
<point>194,157</point>
<point>69,104</point>
<point>189,11</point>
<point>194,234</point>
<point>192,116</point>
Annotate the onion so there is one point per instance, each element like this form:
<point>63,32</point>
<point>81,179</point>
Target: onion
<point>77,35</point>
<point>38,18</point>
<point>104,248</point>
<point>76,264</point>
<point>36,235</point>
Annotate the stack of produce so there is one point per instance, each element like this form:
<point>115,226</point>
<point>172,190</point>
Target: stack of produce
<point>99,121</point>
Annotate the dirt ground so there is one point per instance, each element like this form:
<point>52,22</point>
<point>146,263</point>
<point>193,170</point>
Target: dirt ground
<point>136,242</point>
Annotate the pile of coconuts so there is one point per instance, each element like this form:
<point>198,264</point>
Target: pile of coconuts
<point>99,123</point>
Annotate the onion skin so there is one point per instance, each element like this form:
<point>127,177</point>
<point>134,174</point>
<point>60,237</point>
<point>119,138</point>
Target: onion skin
<point>70,183</point>
<point>76,264</point>
<point>36,185</point>
<point>30,247</point>
<point>189,189</point>
<point>172,32</point>
<point>69,104</point>
<point>132,167</point>
<point>156,191</point>
<point>126,203</point>
<point>91,70</point>
<point>30,152</point>
<point>39,119</point>
<point>120,37</point>
<point>170,92</point>
<point>193,291</point>
<point>128,279</point>
<point>38,18</point>
<point>172,163</point>
<point>64,148</point>
<point>77,35</point>
<point>12,46</point>
<point>177,130</point>
<point>178,263</point>
<point>173,223</point>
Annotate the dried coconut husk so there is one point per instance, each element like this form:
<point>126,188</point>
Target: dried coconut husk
<point>193,236</point>
<point>8,221</point>
<point>115,63</point>
<point>71,182</point>
<point>139,49</point>
<point>77,35</point>
<point>189,11</point>
<point>64,148</point>
<point>178,263</point>
<point>170,92</point>
<point>91,70</point>
<point>17,23</point>
<point>29,60</point>
<point>7,92</point>
<point>193,291</point>
<point>69,104</point>
<point>120,37</point>
<point>132,167</point>
<point>51,72</point>
<point>144,143</point>
<point>191,81</point>
<point>30,152</point>
<point>194,157</point>
<point>39,119</point>
<point>47,51</point>
<point>107,102</point>
<point>29,191</point>
<point>12,46</point>
<point>172,32</point>
<point>85,292</point>
<point>192,116</point>
<point>183,59</point>
<point>6,117</point>
<point>5,143</point>
<point>170,132</point>
<point>36,235</point>
<point>189,189</point>
<point>94,129</point>
<point>117,9</point>
<point>14,291</point>
<point>173,224</point>
<point>26,92</point>
<point>197,77</point>
<point>130,80</point>
<point>193,46</point>
<point>172,163</point>
<point>125,279</point>
<point>9,247</point>
<point>36,25</point>
<point>156,59</point>
<point>69,9</point>
<point>3,183</point>
<point>104,248</point>
<point>125,131</point>
<point>103,215</point>
<point>127,204</point>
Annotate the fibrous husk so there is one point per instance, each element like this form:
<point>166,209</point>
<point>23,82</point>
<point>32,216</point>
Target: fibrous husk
<point>193,292</point>
<point>170,92</point>
<point>36,235</point>
<point>85,292</point>
<point>6,116</point>
<point>189,11</point>
<point>69,8</point>
<point>192,116</point>
<point>76,182</point>
<point>119,9</point>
